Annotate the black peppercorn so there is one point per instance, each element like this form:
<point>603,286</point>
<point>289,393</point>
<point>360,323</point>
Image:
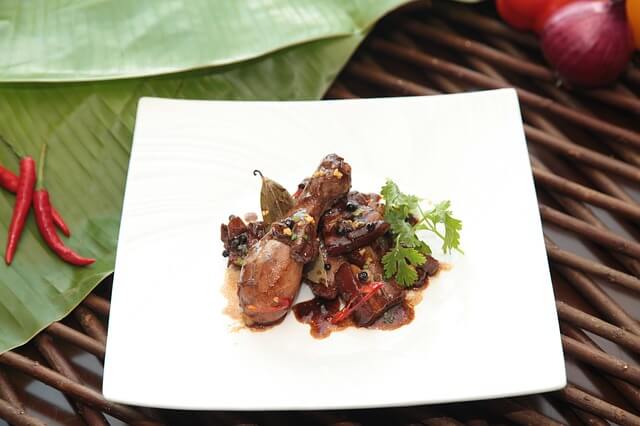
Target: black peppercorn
<point>301,185</point>
<point>363,276</point>
<point>351,207</point>
<point>327,266</point>
<point>371,226</point>
<point>289,223</point>
<point>242,238</point>
<point>234,242</point>
<point>225,253</point>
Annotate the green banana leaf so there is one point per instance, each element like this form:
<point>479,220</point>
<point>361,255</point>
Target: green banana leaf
<point>88,128</point>
<point>84,40</point>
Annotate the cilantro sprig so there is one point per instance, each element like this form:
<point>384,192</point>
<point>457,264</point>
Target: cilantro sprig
<point>406,217</point>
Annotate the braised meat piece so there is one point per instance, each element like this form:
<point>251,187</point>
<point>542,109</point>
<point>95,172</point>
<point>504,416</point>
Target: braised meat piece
<point>272,270</point>
<point>353,222</point>
<point>429,269</point>
<point>349,283</point>
<point>237,237</point>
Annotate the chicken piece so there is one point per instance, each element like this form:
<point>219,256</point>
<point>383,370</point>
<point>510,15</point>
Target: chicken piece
<point>429,269</point>
<point>272,270</point>
<point>353,222</point>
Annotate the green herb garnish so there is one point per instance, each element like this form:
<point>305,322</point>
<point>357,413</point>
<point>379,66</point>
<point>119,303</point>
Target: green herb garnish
<point>409,250</point>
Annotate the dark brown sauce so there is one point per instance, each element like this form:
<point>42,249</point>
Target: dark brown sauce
<point>317,314</point>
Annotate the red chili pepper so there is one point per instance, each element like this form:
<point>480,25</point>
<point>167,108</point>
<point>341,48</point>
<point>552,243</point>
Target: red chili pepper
<point>9,181</point>
<point>44,219</point>
<point>24,195</point>
<point>369,290</point>
<point>59,222</point>
<point>297,193</point>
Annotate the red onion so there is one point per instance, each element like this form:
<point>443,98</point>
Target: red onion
<point>588,42</point>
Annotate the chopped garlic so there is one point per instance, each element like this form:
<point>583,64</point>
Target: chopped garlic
<point>337,173</point>
<point>287,231</point>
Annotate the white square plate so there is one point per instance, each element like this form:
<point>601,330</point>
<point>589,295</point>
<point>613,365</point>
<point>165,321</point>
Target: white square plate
<point>486,328</point>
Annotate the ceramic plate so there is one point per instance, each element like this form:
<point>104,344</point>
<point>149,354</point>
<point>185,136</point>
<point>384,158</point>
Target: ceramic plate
<point>486,328</point>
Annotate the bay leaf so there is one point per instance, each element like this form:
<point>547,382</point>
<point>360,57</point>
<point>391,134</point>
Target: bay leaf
<point>275,200</point>
<point>315,271</point>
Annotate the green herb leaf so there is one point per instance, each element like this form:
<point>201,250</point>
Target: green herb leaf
<point>437,215</point>
<point>402,262</point>
<point>442,214</point>
<point>390,192</point>
<point>423,248</point>
<point>401,210</point>
<point>452,228</point>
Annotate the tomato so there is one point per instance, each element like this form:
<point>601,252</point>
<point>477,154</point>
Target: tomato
<point>550,6</point>
<point>529,14</point>
<point>520,14</point>
<point>633,17</point>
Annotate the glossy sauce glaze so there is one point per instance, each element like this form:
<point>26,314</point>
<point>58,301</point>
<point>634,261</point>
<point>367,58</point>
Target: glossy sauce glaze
<point>395,317</point>
<point>317,314</point>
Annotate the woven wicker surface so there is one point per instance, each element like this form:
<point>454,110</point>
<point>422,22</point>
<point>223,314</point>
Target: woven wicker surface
<point>585,152</point>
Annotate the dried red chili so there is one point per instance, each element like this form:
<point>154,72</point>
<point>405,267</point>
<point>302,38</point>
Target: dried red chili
<point>44,219</point>
<point>24,195</point>
<point>9,181</point>
<point>368,290</point>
